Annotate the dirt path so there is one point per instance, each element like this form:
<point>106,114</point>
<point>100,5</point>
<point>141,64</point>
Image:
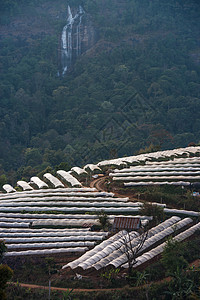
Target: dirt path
<point>34,286</point>
<point>98,183</point>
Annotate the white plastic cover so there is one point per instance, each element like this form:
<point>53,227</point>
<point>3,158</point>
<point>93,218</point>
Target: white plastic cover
<point>8,188</point>
<point>66,176</point>
<point>24,185</point>
<point>40,184</point>
<point>53,180</point>
<point>46,251</point>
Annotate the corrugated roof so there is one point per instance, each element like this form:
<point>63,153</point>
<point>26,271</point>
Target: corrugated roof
<point>126,223</point>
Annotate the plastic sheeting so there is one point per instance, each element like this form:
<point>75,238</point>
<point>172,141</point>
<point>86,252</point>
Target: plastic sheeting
<point>62,216</point>
<point>143,183</point>
<point>91,168</point>
<point>67,177</point>
<point>51,245</point>
<point>24,185</point>
<point>52,233</point>
<point>71,222</point>
<point>159,249</point>
<point>16,220</point>
<point>107,251</point>
<point>168,178</point>
<point>14,224</point>
<point>60,195</point>
<point>71,203</point>
<point>156,168</point>
<point>112,246</point>
<point>182,212</point>
<point>46,251</point>
<point>79,171</point>
<point>74,200</point>
<point>72,209</point>
<point>182,161</point>
<point>8,188</point>
<point>12,240</point>
<point>35,192</point>
<point>37,181</point>
<point>160,236</point>
<point>53,180</point>
<point>145,157</point>
<point>154,235</point>
<point>74,264</point>
<point>155,173</point>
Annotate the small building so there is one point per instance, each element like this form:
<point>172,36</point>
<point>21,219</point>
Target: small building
<point>127,223</point>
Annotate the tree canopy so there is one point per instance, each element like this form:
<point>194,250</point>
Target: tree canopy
<point>138,85</point>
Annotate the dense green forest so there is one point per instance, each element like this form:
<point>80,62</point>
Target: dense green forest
<point>137,87</point>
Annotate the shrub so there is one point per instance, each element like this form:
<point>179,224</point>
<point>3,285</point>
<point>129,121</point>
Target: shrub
<point>172,256</point>
<point>6,274</point>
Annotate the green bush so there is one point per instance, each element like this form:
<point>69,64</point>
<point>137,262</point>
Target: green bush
<point>172,256</point>
<point>6,274</point>
<point>156,271</point>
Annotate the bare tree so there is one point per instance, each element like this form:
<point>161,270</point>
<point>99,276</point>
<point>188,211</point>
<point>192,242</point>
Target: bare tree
<point>132,247</point>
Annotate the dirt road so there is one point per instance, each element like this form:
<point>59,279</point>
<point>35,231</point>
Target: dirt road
<point>98,183</point>
<point>34,286</point>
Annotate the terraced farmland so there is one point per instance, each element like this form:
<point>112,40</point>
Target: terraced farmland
<point>54,214</point>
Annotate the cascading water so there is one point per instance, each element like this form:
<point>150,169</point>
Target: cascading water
<point>68,43</point>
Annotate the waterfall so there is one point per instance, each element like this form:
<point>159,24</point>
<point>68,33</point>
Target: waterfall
<point>69,45</point>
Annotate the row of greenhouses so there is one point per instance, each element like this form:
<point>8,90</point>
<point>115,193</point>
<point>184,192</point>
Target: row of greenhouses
<point>167,155</point>
<point>115,243</point>
<point>53,214</point>
<point>178,172</point>
<point>147,256</point>
<point>46,221</point>
<point>113,251</point>
<point>71,178</point>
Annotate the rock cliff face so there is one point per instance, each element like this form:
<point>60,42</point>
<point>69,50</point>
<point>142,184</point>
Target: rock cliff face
<point>89,34</point>
<point>78,35</point>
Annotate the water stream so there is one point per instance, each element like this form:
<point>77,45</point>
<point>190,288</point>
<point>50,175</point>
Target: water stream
<point>70,44</point>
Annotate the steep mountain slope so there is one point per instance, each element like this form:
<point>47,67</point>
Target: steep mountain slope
<point>138,85</point>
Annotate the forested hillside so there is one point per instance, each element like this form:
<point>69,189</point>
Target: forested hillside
<point>137,87</point>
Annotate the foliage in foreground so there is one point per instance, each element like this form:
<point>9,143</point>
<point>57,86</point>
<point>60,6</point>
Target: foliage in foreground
<point>6,272</point>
